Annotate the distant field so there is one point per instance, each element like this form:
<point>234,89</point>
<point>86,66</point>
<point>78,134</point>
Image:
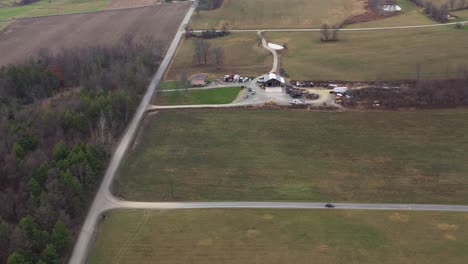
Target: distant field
<point>367,55</point>
<point>244,14</point>
<point>408,157</point>
<point>7,3</point>
<point>411,16</point>
<point>240,236</point>
<point>242,56</point>
<point>21,40</point>
<point>212,96</point>
<point>49,7</point>
<point>462,14</point>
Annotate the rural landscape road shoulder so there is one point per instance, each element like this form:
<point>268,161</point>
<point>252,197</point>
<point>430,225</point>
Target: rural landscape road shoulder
<point>101,199</point>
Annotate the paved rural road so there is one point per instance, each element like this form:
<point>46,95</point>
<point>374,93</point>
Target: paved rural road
<point>342,29</point>
<point>273,51</point>
<point>88,229</point>
<point>120,204</point>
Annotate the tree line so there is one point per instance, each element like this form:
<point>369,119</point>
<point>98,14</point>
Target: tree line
<point>424,94</point>
<point>60,114</point>
<point>451,4</point>
<point>25,2</point>
<point>440,13</point>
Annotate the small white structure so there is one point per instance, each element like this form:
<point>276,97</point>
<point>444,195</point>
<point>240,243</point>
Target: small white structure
<point>340,90</point>
<point>275,46</point>
<point>391,8</point>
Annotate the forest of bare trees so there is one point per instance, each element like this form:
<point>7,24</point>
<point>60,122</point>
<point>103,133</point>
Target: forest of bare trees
<point>424,94</point>
<point>60,115</point>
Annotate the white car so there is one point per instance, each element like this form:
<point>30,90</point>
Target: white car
<point>298,102</point>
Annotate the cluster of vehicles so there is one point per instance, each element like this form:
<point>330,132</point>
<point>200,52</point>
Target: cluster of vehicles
<point>251,91</point>
<point>312,84</point>
<point>302,83</point>
<point>295,93</point>
<point>237,78</point>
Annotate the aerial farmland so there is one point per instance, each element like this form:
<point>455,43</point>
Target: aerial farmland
<point>233,131</point>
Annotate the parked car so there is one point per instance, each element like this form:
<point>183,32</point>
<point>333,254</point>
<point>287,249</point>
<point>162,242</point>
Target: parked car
<point>298,102</point>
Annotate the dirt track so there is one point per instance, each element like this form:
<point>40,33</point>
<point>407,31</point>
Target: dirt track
<point>25,38</point>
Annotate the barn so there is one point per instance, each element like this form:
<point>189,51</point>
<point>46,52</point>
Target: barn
<point>273,80</point>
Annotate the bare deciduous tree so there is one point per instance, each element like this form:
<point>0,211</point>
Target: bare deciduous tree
<point>329,33</point>
<point>325,31</point>
<point>462,4</point>
<point>452,4</point>
<point>219,55</point>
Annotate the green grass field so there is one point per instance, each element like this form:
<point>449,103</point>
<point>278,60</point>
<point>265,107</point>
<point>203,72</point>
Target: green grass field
<point>241,236</point>
<point>463,14</point>
<point>192,97</point>
<point>242,56</point>
<point>368,55</point>
<point>403,157</point>
<point>50,7</point>
<point>258,14</point>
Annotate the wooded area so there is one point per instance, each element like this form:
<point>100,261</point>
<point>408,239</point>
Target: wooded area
<point>426,94</point>
<point>60,115</point>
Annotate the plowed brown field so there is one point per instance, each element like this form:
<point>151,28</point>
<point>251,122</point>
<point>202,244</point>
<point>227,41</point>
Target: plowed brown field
<point>25,38</point>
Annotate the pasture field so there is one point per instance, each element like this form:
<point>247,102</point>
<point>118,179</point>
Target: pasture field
<point>52,7</point>
<point>259,155</point>
<point>463,14</point>
<point>371,55</point>
<point>260,14</point>
<point>238,236</point>
<point>211,96</point>
<point>20,40</point>
<point>242,56</point>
